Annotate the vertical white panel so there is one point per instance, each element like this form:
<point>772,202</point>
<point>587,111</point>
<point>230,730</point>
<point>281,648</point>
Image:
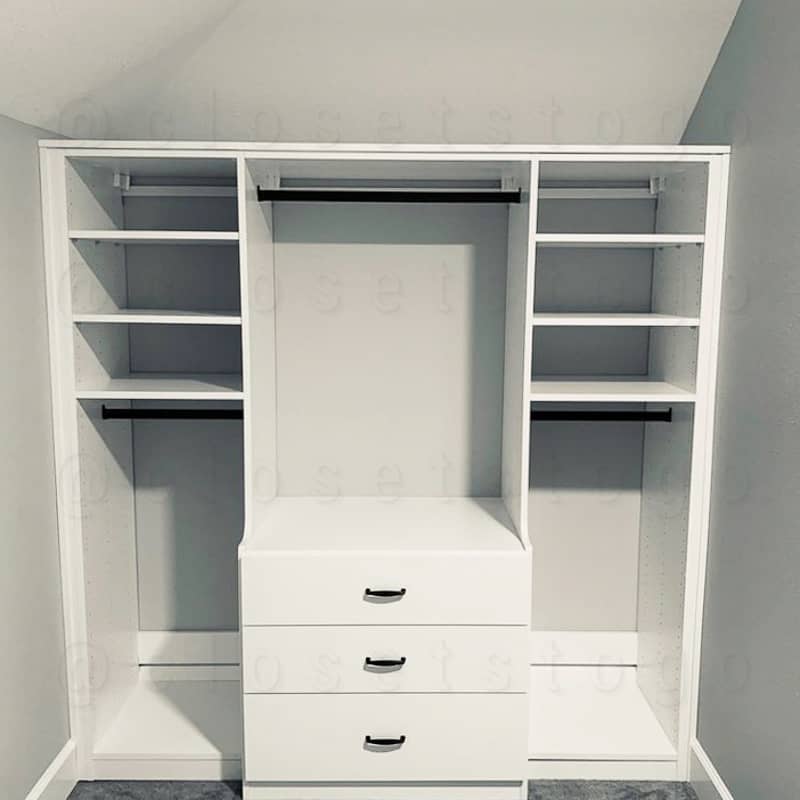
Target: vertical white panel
<point>257,276</point>
<point>109,552</point>
<point>519,311</point>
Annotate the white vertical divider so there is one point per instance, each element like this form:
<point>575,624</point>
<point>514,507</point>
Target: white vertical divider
<point>702,450</point>
<point>93,485</point>
<point>518,346</point>
<point>65,437</point>
<point>257,277</point>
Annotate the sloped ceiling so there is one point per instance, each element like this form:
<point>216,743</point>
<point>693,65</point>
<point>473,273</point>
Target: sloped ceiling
<point>551,71</point>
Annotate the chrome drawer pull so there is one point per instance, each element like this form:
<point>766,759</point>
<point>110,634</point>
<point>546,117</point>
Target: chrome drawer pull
<point>383,664</point>
<point>383,595</point>
<point>383,745</point>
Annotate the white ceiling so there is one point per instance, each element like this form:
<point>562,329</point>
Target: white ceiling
<point>550,71</point>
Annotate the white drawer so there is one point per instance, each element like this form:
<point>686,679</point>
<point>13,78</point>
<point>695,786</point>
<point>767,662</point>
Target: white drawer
<point>393,658</point>
<point>433,589</point>
<point>447,737</point>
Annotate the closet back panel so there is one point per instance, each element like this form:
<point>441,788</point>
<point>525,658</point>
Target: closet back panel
<point>584,524</point>
<point>188,479</point>
<point>189,522</point>
<point>390,340</point>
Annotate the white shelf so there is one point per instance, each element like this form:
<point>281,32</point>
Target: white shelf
<point>430,524</point>
<point>166,386</point>
<point>615,320</point>
<point>618,240</point>
<point>153,317</point>
<point>156,237</point>
<point>625,389</point>
<point>173,720</point>
<point>592,714</point>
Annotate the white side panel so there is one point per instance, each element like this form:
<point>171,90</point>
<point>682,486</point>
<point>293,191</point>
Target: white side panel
<point>109,553</point>
<point>188,647</point>
<point>662,563</point>
<point>257,276</point>
<point>517,368</point>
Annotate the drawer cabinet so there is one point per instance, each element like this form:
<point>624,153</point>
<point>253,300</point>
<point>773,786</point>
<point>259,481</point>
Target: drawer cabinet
<point>385,737</point>
<point>395,658</point>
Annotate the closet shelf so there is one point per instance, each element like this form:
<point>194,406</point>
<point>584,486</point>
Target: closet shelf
<point>615,320</point>
<point>606,389</point>
<point>369,524</point>
<point>156,237</point>
<point>617,240</point>
<point>157,317</point>
<point>176,720</point>
<point>593,714</point>
<point>166,386</point>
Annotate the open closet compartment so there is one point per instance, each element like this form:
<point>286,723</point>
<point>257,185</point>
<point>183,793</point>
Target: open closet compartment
<point>622,321</point>
<point>149,290</point>
<point>392,324</point>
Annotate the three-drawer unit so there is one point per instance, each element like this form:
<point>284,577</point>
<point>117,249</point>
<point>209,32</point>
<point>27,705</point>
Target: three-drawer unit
<point>394,666</point>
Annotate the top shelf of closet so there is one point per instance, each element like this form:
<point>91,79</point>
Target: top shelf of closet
<point>156,237</point>
<point>618,240</point>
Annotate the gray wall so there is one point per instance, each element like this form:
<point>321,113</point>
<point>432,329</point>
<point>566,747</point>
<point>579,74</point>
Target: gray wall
<point>32,670</point>
<point>749,697</point>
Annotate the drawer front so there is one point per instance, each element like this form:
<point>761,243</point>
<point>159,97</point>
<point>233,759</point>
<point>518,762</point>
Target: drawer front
<point>429,589</point>
<point>412,737</point>
<point>393,658</point>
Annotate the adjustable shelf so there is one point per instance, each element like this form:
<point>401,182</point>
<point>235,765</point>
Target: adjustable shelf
<point>193,724</point>
<point>166,386</point>
<point>628,389</point>
<point>587,721</point>
<point>156,237</point>
<point>140,316</point>
<point>618,240</point>
<point>614,320</point>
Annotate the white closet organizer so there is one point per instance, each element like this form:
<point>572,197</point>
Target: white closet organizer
<point>447,410</point>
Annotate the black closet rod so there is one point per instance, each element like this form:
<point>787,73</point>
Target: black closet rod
<point>601,416</point>
<point>171,413</point>
<point>390,195</point>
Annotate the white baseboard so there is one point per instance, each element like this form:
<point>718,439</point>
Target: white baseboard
<point>60,777</point>
<point>705,779</point>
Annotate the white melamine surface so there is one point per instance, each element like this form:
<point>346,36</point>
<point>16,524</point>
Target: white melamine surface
<point>592,713</point>
<point>176,720</point>
<point>166,386</point>
<point>142,316</point>
<point>384,524</point>
<point>156,237</point>
<point>616,239</point>
<point>614,320</point>
<point>628,388</point>
<point>320,737</point>
<point>286,659</point>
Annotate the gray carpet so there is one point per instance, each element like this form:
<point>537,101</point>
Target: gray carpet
<point>539,790</point>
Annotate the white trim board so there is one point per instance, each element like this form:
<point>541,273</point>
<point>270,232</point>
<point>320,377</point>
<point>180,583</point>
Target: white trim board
<point>703,775</point>
<point>603,771</point>
<point>322,147</point>
<point>60,777</point>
